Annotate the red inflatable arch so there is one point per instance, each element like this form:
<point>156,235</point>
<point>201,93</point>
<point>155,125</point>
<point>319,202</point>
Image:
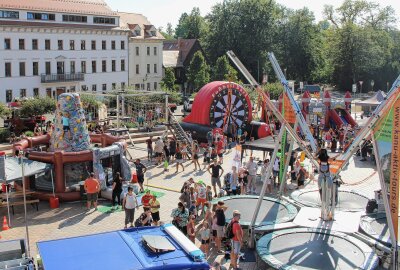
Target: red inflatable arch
<point>210,105</point>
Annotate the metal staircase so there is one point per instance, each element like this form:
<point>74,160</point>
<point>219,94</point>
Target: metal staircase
<point>177,131</point>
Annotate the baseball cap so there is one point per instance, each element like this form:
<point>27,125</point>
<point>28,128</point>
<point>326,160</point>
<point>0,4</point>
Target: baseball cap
<point>236,213</point>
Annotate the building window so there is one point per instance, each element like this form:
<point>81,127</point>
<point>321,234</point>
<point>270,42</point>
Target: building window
<point>35,68</point>
<point>83,45</point>
<point>103,45</point>
<point>104,87</point>
<point>148,86</point>
<point>48,68</point>
<point>9,14</point>
<point>93,44</point>
<point>94,67</point>
<point>7,44</point>
<point>9,95</point>
<point>113,86</point>
<point>47,44</point>
<point>155,68</point>
<point>35,92</point>
<point>74,18</point>
<point>153,33</point>
<point>148,50</point>
<point>137,69</point>
<point>94,88</point>
<point>22,93</point>
<point>72,67</point>
<point>22,69</point>
<point>72,45</point>
<point>83,66</point>
<point>155,85</point>
<point>103,20</point>
<point>137,32</point>
<point>148,68</point>
<point>48,92</point>
<point>60,45</point>
<point>104,66</point>
<point>41,16</point>
<point>84,88</point>
<point>122,45</point>
<point>122,65</point>
<point>7,68</point>
<point>122,85</point>
<point>35,44</point>
<point>137,86</point>
<point>21,44</point>
<point>113,65</point>
<point>137,51</point>
<point>155,50</point>
<point>113,45</point>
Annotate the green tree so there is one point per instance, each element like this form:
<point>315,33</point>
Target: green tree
<point>168,82</point>
<point>199,72</point>
<point>38,106</point>
<point>273,89</point>
<point>223,71</point>
<point>191,26</point>
<point>4,111</point>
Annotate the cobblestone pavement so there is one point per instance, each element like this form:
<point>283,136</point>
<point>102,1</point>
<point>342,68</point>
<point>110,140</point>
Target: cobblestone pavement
<point>71,219</point>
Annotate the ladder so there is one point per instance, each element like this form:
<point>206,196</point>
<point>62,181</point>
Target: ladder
<point>129,136</point>
<point>299,116</point>
<point>177,131</point>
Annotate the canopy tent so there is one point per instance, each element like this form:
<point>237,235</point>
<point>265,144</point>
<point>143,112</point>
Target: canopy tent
<point>375,100</point>
<point>13,168</point>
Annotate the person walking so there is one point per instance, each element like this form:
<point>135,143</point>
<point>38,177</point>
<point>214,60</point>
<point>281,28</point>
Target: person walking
<point>216,172</point>
<point>129,204</point>
<point>92,188</point>
<point>205,238</point>
<point>155,210</point>
<point>236,241</point>
<point>172,149</point>
<point>116,190</point>
<point>140,171</point>
<point>234,181</point>
<point>180,217</point>
<point>195,155</point>
<point>221,220</point>
<point>179,159</point>
<point>251,167</point>
<point>159,149</point>
<point>149,143</point>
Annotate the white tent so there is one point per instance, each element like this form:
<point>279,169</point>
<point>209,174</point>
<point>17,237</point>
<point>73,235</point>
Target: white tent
<point>369,104</point>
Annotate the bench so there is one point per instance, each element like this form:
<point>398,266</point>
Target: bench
<point>33,203</point>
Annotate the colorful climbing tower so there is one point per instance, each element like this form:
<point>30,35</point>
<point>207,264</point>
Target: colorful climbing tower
<point>69,106</point>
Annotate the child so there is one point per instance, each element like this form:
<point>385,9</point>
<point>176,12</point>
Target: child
<point>65,122</point>
<point>205,238</point>
<point>209,195</point>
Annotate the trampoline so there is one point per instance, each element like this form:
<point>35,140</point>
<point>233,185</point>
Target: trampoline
<point>271,212</point>
<point>304,248</point>
<point>348,200</point>
<point>375,226</point>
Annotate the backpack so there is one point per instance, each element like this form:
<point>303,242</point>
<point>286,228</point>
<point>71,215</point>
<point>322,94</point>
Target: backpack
<point>229,230</point>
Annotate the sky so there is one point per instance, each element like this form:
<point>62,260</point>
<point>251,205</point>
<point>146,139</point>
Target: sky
<point>161,12</point>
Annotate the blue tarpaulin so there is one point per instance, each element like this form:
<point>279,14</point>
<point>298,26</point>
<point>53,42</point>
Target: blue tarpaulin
<point>14,169</point>
<point>122,250</point>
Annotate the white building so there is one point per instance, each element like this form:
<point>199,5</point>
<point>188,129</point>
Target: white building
<point>48,47</point>
<point>145,51</point>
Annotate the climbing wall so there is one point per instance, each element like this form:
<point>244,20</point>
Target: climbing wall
<point>79,139</point>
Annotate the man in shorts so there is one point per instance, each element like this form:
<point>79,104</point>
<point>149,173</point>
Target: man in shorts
<point>159,149</point>
<point>201,196</point>
<point>221,220</point>
<point>216,172</point>
<point>251,167</point>
<point>237,239</point>
<point>92,188</point>
<point>140,170</point>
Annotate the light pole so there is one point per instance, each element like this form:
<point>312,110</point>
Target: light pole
<point>285,72</point>
<point>387,87</point>
<point>372,85</point>
<point>361,83</point>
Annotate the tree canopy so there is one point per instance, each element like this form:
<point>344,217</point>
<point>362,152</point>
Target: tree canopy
<point>38,106</point>
<point>199,72</point>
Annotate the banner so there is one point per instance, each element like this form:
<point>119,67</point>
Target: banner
<point>289,114</point>
<point>386,133</point>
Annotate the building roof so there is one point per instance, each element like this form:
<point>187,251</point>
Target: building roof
<point>89,7</point>
<point>182,46</point>
<point>130,21</point>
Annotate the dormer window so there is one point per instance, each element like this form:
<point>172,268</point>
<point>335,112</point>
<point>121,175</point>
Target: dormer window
<point>153,33</point>
<point>137,32</point>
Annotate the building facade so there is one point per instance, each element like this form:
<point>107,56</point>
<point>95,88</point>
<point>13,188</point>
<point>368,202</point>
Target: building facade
<point>50,47</point>
<point>145,52</point>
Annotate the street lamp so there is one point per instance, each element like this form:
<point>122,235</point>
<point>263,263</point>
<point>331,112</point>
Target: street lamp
<point>387,87</point>
<point>372,85</point>
<point>361,83</point>
<point>285,72</point>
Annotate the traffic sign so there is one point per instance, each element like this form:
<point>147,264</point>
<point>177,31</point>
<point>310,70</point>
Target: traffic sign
<point>354,88</point>
<point>301,85</point>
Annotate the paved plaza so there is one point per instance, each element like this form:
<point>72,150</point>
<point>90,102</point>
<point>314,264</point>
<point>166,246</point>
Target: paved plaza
<point>72,219</point>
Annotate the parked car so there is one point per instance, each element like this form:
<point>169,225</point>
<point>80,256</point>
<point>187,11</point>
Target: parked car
<point>315,88</point>
<point>187,105</point>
